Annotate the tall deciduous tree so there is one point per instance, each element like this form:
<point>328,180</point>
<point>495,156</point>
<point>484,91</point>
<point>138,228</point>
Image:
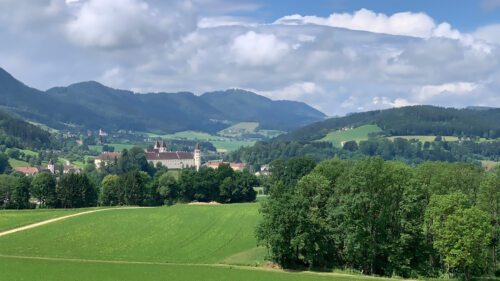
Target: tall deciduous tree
<point>43,187</point>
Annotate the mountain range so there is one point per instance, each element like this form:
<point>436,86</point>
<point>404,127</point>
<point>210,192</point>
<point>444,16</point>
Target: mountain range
<point>91,105</point>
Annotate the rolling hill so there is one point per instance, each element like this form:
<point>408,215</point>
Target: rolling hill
<point>408,121</point>
<point>93,105</point>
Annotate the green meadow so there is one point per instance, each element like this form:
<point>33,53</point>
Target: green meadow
<point>181,242</point>
<point>14,163</point>
<point>356,134</point>
<point>13,218</point>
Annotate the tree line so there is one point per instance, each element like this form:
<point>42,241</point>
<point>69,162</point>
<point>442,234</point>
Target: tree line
<point>409,151</point>
<point>382,217</point>
<point>129,180</point>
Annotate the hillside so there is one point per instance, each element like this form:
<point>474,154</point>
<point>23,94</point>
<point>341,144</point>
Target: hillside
<point>15,132</point>
<point>91,105</point>
<point>412,120</point>
<point>241,106</point>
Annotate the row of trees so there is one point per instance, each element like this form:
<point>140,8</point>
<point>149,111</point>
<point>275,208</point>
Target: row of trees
<point>409,151</point>
<point>137,188</point>
<point>131,180</point>
<point>71,191</point>
<point>382,217</point>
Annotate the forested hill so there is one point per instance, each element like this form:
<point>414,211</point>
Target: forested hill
<point>15,132</point>
<point>270,114</point>
<point>412,120</point>
<point>93,105</point>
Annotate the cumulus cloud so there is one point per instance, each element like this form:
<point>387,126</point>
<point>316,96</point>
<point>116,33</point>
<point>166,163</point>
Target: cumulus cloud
<point>125,23</point>
<point>295,91</point>
<point>258,49</point>
<point>406,23</point>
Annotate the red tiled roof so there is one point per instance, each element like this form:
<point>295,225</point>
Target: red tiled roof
<point>28,170</point>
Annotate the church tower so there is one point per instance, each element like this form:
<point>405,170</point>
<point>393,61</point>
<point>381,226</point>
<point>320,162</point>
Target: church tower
<point>163,147</point>
<point>197,157</point>
<point>51,167</point>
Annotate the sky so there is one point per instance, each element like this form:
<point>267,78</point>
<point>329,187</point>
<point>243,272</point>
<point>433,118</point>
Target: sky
<point>339,56</point>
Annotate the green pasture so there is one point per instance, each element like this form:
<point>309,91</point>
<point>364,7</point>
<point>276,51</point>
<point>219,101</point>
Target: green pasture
<point>14,163</point>
<point>239,128</point>
<point>187,135</point>
<point>21,269</point>
<point>118,146</point>
<point>181,234</point>
<point>230,145</point>
<point>356,134</point>
<point>15,218</point>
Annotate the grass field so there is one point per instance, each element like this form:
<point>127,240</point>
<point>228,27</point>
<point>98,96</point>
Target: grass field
<point>182,242</point>
<point>17,269</point>
<point>488,165</point>
<point>230,145</point>
<point>357,134</point>
<point>188,135</point>
<point>239,128</point>
<point>117,146</point>
<point>181,233</point>
<point>13,218</point>
<point>425,138</point>
<point>14,163</point>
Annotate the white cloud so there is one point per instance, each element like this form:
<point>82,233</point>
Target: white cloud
<point>489,33</point>
<point>258,49</point>
<point>406,23</point>
<point>294,91</point>
<point>125,23</point>
<point>428,92</point>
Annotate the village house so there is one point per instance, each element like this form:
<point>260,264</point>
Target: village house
<point>106,158</point>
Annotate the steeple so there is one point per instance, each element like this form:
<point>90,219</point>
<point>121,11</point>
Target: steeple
<point>163,147</point>
<point>197,157</point>
<point>51,167</point>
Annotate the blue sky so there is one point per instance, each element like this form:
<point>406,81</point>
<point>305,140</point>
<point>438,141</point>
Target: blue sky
<point>339,56</point>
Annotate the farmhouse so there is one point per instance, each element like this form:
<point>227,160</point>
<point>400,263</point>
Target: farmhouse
<point>106,158</point>
<point>173,160</point>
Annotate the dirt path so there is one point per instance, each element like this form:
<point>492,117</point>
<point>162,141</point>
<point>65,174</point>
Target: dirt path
<point>37,224</point>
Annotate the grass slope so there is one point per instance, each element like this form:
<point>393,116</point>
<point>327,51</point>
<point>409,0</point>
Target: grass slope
<point>15,163</point>
<point>13,218</point>
<point>181,234</point>
<point>356,134</point>
<point>17,269</point>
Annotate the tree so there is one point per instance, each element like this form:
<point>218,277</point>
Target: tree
<point>350,145</point>
<point>312,238</point>
<point>21,193</point>
<point>489,201</point>
<point>112,192</point>
<point>463,240</point>
<point>76,191</point>
<point>43,187</point>
<point>168,189</point>
<point>134,187</point>
<point>4,163</point>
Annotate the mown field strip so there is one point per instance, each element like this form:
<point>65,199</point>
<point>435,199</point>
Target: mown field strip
<point>227,266</point>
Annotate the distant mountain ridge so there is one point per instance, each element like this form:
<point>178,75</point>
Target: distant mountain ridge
<point>93,105</point>
<point>411,120</point>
